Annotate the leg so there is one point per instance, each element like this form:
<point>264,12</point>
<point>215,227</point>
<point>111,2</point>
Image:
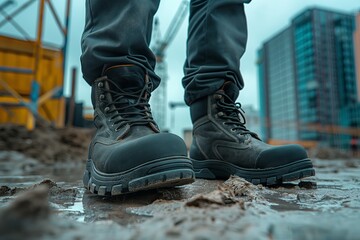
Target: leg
<point>128,153</point>
<point>222,145</point>
<point>217,40</point>
<point>118,33</point>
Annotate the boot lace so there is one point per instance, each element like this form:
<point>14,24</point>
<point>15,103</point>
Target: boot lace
<point>132,106</point>
<point>233,115</point>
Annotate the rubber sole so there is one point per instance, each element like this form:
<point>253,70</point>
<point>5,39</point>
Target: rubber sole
<point>167,172</point>
<point>216,169</point>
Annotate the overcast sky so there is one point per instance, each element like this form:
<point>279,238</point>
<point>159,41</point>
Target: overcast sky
<point>265,18</point>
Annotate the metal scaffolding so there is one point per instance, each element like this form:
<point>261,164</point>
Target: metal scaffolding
<point>39,58</point>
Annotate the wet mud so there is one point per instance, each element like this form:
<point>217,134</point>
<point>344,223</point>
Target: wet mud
<point>39,200</point>
<point>46,145</point>
<point>323,207</point>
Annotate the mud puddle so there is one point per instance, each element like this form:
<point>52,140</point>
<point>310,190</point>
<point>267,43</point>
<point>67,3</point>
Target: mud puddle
<point>323,207</point>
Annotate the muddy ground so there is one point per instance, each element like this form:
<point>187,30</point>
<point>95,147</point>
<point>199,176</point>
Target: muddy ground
<point>43,198</point>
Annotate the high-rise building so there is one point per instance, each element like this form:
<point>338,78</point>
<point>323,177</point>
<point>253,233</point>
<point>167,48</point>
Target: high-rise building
<point>252,119</point>
<point>307,78</point>
<point>357,51</point>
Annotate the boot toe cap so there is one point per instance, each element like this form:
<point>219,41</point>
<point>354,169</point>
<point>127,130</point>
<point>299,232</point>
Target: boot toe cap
<point>280,155</point>
<point>139,151</point>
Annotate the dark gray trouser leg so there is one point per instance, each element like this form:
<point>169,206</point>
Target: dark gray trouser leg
<point>217,38</point>
<point>118,32</point>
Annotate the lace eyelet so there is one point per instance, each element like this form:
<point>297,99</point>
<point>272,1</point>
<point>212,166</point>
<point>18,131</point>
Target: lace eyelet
<point>220,114</point>
<point>102,97</point>
<point>100,84</point>
<point>118,128</point>
<point>106,109</point>
<point>217,96</point>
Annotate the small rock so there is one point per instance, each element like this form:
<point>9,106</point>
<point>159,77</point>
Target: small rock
<point>307,184</point>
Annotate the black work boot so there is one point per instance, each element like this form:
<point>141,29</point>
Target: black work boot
<point>128,153</point>
<point>222,146</point>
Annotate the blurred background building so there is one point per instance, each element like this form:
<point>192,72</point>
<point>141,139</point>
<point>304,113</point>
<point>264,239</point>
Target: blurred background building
<point>308,80</point>
<point>357,51</point>
<point>252,118</point>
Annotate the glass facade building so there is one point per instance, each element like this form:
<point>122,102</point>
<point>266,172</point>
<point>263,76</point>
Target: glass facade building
<point>307,78</point>
<point>277,89</point>
<point>357,51</point>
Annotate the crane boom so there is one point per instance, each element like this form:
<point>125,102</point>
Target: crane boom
<point>172,30</point>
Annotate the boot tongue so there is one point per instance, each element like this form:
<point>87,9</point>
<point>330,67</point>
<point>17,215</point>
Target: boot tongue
<point>128,78</point>
<point>129,82</point>
<point>231,90</point>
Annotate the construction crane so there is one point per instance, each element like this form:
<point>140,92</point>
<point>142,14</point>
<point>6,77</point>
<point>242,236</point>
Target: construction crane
<point>31,73</point>
<point>159,98</point>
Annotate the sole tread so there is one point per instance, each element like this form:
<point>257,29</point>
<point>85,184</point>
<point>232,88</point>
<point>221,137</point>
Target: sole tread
<point>139,180</point>
<point>214,169</point>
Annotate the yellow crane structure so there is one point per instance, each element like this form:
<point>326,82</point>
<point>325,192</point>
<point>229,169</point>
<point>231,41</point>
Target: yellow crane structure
<point>32,74</point>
